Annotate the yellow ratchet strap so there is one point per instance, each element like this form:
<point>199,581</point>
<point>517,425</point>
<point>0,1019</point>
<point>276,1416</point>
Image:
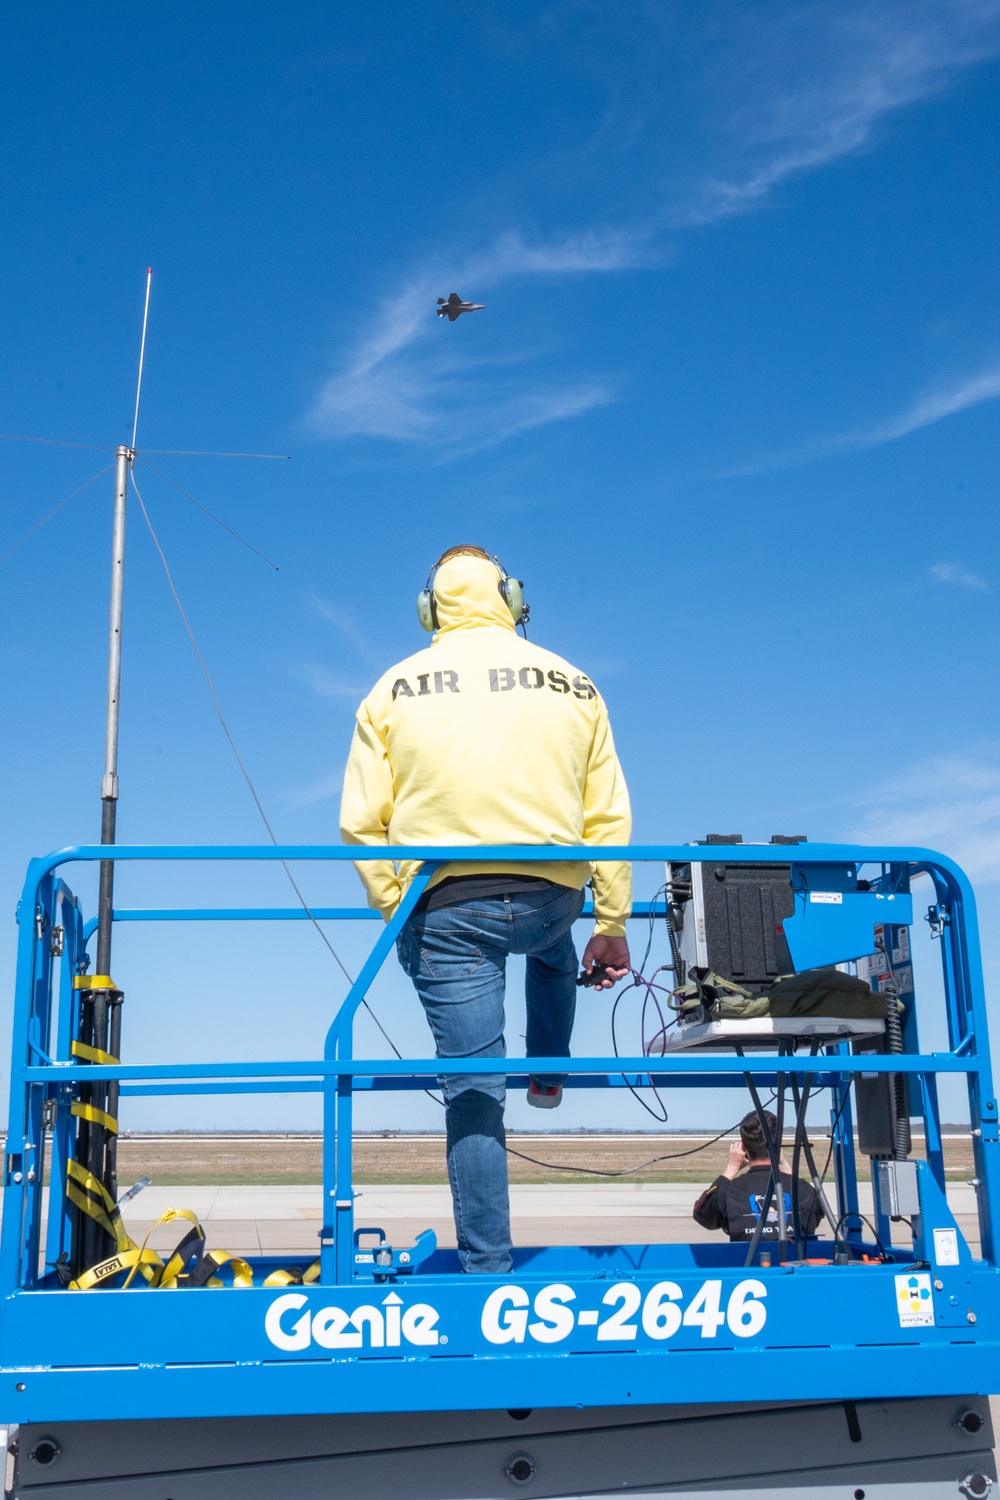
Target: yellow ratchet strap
<point>294,1277</point>
<point>178,1259</point>
<point>90,1195</point>
<point>214,1260</point>
<point>146,1261</point>
<point>95,1116</point>
<point>93,1054</point>
<point>193,1244</point>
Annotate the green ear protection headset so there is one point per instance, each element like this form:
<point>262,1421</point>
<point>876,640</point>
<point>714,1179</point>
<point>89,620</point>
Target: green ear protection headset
<point>511,590</point>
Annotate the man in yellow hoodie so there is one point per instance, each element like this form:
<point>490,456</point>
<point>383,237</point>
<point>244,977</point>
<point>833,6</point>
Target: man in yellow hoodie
<point>486,738</point>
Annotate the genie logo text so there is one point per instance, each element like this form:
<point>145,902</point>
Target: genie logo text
<point>386,1326</point>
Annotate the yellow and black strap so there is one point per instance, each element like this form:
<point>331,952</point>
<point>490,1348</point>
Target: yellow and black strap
<point>168,1274</point>
<point>131,1260</point>
<point>89,1195</point>
<point>95,1116</point>
<point>93,1054</point>
<point>214,1260</point>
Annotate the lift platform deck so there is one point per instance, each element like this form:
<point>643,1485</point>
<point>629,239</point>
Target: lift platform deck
<point>379,1350</point>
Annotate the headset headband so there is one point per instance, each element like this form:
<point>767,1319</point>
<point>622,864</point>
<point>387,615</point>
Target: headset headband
<point>511,590</point>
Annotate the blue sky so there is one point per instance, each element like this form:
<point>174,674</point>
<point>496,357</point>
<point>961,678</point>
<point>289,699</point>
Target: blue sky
<point>731,412</point>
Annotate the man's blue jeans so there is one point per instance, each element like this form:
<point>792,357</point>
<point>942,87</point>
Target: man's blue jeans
<point>456,957</point>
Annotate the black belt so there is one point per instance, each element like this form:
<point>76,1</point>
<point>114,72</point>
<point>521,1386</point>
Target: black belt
<point>455,888</point>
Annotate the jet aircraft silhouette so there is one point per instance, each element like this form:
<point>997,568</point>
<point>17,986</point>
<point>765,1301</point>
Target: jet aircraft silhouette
<point>454,307</point>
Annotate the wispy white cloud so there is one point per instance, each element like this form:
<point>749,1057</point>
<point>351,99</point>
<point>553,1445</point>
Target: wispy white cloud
<point>819,79</point>
<point>326,684</point>
<point>352,632</point>
<point>947,400</point>
<point>955,573</point>
<point>762,93</point>
<point>971,390</point>
<point>404,383</point>
<point>947,803</point>
<point>324,790</point>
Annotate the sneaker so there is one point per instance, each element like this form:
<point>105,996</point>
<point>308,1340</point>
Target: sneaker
<point>544,1096</point>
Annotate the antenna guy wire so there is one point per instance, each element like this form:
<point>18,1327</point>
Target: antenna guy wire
<point>205,508</point>
<point>39,524</point>
<point>242,765</point>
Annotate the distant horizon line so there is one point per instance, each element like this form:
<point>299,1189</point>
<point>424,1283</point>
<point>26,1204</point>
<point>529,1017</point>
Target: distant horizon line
<point>949,1131</point>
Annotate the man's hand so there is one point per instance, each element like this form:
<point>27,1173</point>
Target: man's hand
<point>737,1160</point>
<point>613,953</point>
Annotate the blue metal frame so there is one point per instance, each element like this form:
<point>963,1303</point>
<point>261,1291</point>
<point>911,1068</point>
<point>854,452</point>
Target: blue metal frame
<point>354,1340</point>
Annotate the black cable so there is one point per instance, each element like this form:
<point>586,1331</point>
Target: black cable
<point>898,1094</point>
<point>773,1158</point>
<point>673,906</point>
<point>853,1214</point>
<point>660,1117</point>
<point>628,1171</point>
<point>652,922</point>
<point>817,1181</point>
<point>679,966</point>
<point>779,1187</point>
<point>800,1105</point>
<point>833,1132</point>
<point>639,980</point>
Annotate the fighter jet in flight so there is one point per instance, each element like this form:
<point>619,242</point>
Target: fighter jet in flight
<point>454,307</point>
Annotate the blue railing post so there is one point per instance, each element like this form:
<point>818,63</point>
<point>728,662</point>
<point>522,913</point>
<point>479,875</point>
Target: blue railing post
<point>932,1129</point>
<point>33,1096</point>
<point>844,1163</point>
<point>22,1200</point>
<point>61,1211</point>
<point>337,1234</point>
<point>962,962</point>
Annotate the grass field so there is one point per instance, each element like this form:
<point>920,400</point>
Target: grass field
<point>421,1159</point>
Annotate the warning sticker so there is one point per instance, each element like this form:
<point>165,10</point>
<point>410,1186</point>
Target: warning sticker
<point>946,1247</point>
<point>914,1300</point>
<point>875,963</point>
<point>827,898</point>
<point>899,982</point>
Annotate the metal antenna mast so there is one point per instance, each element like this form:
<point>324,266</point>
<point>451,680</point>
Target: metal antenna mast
<point>109,782</point>
<point>101,1016</point>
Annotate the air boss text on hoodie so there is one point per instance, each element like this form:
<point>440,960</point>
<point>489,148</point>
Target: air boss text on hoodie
<point>501,680</point>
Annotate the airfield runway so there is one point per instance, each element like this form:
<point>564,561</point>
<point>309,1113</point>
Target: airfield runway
<point>263,1194</point>
<point>284,1218</point>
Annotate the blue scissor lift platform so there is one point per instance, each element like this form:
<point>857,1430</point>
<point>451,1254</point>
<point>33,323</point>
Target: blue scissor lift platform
<point>382,1370</point>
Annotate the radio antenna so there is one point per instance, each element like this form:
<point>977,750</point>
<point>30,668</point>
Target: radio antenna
<point>142,355</point>
<point>100,1018</point>
<point>101,1022</point>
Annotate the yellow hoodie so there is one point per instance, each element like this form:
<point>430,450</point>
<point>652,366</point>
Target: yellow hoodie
<point>485,738</point>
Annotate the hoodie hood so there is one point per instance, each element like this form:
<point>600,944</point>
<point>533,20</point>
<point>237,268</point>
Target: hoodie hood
<point>467,595</point>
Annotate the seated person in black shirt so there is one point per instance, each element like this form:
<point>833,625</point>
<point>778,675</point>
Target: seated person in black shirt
<point>735,1200</point>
